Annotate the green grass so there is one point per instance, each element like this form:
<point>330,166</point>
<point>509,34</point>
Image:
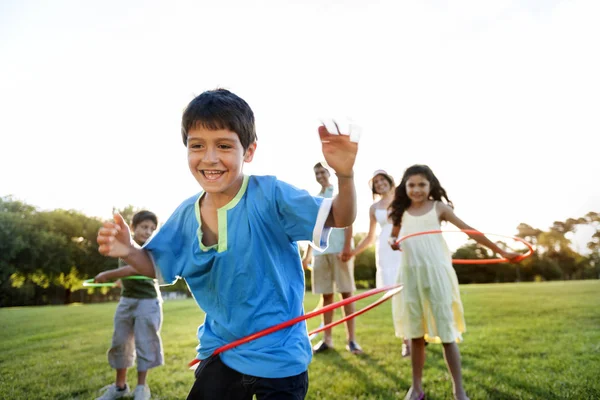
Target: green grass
<point>524,341</point>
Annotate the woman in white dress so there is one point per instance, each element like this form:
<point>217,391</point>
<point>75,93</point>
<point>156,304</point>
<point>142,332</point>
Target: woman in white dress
<point>386,259</point>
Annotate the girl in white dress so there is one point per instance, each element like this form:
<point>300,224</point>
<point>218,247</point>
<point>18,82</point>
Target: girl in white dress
<point>387,260</point>
<point>429,306</point>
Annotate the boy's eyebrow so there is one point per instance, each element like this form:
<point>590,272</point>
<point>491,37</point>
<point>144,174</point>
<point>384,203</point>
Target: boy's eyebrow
<point>231,139</point>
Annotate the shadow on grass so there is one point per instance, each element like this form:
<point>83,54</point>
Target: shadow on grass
<point>364,369</point>
<point>483,368</point>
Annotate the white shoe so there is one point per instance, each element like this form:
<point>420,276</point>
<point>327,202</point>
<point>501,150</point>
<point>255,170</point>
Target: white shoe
<point>141,392</point>
<point>405,348</point>
<point>112,392</point>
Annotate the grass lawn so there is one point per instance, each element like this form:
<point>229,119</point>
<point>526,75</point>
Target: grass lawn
<point>524,341</point>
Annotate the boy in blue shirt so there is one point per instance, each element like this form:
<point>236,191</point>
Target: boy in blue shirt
<point>235,245</point>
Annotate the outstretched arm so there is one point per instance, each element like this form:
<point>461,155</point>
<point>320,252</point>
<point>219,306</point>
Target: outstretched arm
<point>114,239</point>
<point>370,238</point>
<point>393,237</point>
<point>447,214</point>
<point>340,154</point>
<point>114,274</point>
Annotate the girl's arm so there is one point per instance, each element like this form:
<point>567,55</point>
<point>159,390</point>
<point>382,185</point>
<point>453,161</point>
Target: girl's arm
<point>446,213</point>
<point>393,237</point>
<point>370,238</point>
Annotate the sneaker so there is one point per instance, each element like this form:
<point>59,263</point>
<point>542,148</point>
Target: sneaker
<point>354,348</point>
<point>321,347</point>
<point>141,392</point>
<point>413,395</point>
<point>112,392</point>
<point>406,348</point>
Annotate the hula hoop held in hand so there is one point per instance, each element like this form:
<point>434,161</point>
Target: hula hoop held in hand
<point>475,232</point>
<point>391,291</point>
<point>91,283</point>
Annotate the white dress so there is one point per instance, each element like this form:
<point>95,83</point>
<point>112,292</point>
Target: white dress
<point>387,260</point>
<point>429,305</point>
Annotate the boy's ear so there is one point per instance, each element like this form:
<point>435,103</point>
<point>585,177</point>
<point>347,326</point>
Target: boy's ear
<point>249,154</point>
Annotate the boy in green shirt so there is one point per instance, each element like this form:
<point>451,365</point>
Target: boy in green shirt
<point>138,320</point>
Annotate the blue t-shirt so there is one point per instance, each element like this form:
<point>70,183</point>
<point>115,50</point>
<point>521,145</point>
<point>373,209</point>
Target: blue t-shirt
<point>253,278</point>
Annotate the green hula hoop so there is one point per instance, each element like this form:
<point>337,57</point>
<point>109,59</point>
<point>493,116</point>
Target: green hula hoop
<point>91,283</point>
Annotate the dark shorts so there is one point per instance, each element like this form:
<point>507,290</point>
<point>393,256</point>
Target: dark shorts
<point>216,381</point>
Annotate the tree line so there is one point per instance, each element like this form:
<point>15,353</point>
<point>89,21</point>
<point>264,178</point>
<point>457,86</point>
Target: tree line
<point>554,256</point>
<point>46,255</point>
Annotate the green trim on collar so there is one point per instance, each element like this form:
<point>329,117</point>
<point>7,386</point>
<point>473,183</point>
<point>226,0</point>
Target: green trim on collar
<point>222,215</point>
<point>199,219</point>
<point>221,245</point>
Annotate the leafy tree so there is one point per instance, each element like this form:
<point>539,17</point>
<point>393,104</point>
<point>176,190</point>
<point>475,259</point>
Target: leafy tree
<point>46,248</point>
<point>127,213</point>
<point>364,263</point>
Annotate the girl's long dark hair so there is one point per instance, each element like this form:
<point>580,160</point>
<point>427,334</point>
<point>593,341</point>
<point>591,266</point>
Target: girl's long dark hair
<point>401,201</point>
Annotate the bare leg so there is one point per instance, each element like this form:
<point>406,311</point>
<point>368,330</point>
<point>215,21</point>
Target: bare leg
<point>349,309</point>
<point>417,358</point>
<point>142,377</point>
<point>121,377</point>
<point>452,357</point>
<point>327,319</point>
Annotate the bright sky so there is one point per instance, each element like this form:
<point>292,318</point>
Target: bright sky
<point>500,98</point>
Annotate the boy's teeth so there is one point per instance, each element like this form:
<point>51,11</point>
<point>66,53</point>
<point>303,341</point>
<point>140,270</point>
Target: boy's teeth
<point>213,174</point>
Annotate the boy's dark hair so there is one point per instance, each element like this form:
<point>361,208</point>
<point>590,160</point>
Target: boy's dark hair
<point>401,201</point>
<point>142,216</point>
<point>220,109</point>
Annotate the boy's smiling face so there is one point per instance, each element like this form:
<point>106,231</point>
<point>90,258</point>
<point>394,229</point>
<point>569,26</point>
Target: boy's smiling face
<point>216,159</point>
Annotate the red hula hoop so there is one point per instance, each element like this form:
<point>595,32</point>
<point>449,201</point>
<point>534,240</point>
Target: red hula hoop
<point>476,232</point>
<point>391,291</point>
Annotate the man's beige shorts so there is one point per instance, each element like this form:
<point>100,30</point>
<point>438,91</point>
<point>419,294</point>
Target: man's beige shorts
<point>328,270</point>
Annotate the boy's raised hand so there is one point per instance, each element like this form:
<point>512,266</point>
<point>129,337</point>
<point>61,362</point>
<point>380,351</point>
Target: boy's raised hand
<point>339,151</point>
<point>114,238</point>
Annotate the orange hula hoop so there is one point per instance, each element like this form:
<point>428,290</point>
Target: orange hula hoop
<point>390,291</point>
<point>476,232</point>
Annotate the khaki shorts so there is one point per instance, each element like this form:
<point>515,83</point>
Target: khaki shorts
<point>137,327</point>
<point>328,270</point>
